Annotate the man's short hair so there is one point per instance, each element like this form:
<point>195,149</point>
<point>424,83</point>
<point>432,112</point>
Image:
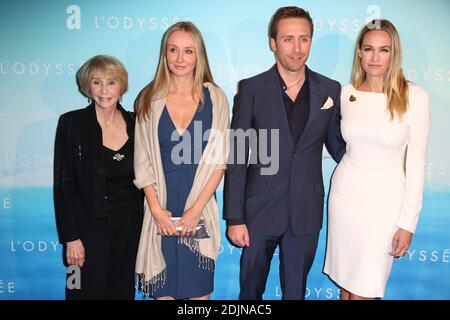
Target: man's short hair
<point>288,12</point>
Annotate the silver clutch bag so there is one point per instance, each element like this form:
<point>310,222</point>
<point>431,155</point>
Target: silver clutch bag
<point>201,232</point>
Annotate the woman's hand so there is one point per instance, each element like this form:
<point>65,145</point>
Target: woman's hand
<point>165,225</point>
<point>189,221</point>
<point>75,253</point>
<point>400,243</point>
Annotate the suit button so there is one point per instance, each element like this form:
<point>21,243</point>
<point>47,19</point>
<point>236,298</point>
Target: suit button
<point>296,155</point>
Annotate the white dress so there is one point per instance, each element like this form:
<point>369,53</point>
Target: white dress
<point>374,191</point>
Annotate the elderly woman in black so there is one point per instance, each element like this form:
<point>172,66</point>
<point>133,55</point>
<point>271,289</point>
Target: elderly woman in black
<point>98,208</point>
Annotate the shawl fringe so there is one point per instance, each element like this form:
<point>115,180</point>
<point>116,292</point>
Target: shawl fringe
<point>204,262</point>
<point>148,287</point>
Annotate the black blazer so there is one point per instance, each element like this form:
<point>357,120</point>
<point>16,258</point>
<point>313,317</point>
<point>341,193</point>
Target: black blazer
<point>79,174</point>
<point>295,194</point>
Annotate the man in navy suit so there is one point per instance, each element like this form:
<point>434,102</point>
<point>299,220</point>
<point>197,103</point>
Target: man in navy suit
<point>266,208</point>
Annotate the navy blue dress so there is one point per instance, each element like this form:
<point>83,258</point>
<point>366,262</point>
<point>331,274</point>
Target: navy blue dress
<point>185,277</point>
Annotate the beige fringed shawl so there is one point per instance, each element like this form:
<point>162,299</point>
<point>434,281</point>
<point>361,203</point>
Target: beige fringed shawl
<point>150,264</point>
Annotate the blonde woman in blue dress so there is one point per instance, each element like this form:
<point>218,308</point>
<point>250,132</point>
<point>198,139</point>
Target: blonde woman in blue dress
<point>182,106</point>
<point>376,190</point>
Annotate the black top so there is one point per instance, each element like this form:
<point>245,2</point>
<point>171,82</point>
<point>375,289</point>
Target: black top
<point>297,111</point>
<point>119,173</point>
<point>79,180</point>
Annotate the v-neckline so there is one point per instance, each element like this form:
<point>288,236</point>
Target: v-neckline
<point>173,123</point>
<point>119,148</point>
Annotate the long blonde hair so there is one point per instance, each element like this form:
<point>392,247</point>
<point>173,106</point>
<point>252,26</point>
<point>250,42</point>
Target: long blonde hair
<point>161,83</point>
<point>395,84</point>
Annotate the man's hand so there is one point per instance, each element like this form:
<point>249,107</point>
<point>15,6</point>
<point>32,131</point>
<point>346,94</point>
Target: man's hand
<point>238,235</point>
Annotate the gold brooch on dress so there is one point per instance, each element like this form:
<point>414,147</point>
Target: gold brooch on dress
<point>352,98</point>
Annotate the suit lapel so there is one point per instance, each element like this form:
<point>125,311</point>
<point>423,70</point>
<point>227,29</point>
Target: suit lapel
<point>273,92</point>
<point>315,104</point>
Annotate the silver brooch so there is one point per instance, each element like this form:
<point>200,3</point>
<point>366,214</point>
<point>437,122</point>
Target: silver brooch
<point>118,157</point>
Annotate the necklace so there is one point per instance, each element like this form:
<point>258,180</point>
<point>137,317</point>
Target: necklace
<point>294,84</point>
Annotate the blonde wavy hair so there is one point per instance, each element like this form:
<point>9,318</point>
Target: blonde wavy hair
<point>160,85</point>
<point>395,84</point>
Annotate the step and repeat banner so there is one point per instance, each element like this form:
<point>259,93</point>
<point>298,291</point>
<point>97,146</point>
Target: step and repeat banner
<point>43,43</point>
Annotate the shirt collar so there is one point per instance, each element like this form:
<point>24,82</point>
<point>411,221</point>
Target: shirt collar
<point>283,85</point>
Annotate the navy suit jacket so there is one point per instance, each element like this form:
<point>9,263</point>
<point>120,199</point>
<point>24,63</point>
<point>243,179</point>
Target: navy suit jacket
<point>295,194</point>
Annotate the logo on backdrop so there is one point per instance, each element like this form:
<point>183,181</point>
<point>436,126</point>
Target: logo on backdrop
<point>230,249</point>
<point>74,22</point>
<point>322,293</point>
<point>26,170</point>
<point>37,68</point>
<point>315,293</point>
<point>29,246</point>
<point>26,161</point>
<point>344,25</point>
<point>436,168</point>
<point>6,287</point>
<point>413,255</point>
<point>424,255</point>
<point>6,203</point>
<point>436,75</point>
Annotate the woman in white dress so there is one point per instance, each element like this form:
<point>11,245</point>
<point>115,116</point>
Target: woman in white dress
<point>376,190</point>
